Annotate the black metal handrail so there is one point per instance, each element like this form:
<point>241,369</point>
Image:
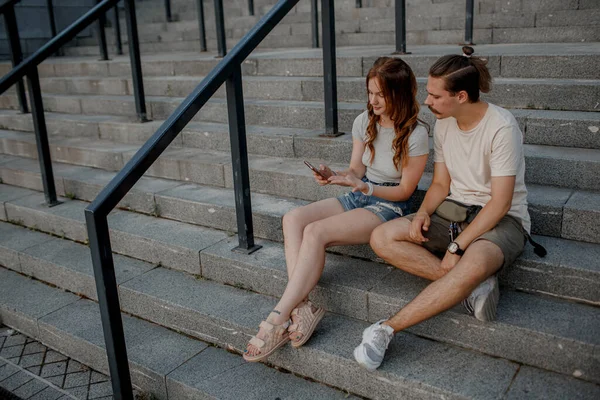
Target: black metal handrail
<point>228,71</point>
<point>14,42</point>
<point>469,22</point>
<point>400,12</point>
<point>54,44</point>
<point>28,68</point>
<point>7,4</point>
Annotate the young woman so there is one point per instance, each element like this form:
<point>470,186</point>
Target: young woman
<point>389,152</point>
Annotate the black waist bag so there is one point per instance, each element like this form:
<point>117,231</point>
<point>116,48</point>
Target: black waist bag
<point>456,211</point>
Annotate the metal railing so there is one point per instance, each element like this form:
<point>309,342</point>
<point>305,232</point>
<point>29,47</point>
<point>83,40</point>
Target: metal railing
<point>28,68</point>
<point>400,12</point>
<point>201,27</point>
<point>105,279</point>
<point>228,71</point>
<point>14,43</point>
<point>469,22</point>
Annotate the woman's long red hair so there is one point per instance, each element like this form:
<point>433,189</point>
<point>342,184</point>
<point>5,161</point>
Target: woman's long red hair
<point>399,86</point>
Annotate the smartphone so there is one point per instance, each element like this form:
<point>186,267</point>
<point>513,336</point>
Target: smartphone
<point>323,174</point>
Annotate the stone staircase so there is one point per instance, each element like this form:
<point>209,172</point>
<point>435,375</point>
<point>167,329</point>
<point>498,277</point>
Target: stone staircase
<point>190,304</point>
<point>428,22</point>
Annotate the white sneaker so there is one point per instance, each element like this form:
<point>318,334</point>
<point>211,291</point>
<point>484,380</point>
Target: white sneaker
<point>483,301</point>
<point>376,339</point>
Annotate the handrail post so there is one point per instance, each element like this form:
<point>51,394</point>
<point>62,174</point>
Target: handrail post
<point>52,21</point>
<point>118,42</point>
<point>400,27</point>
<point>201,27</point>
<point>168,11</point>
<point>251,7</point>
<point>110,310</point>
<point>16,56</point>
<point>329,69</point>
<point>314,19</point>
<point>41,136</point>
<point>102,35</point>
<point>220,25</point>
<point>239,156</point>
<point>136,62</point>
<point>469,22</point>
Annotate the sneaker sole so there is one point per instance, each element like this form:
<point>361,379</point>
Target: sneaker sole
<point>363,362</point>
<point>487,311</point>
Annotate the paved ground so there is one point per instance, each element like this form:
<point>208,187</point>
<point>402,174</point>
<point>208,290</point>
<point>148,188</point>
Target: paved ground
<point>31,370</point>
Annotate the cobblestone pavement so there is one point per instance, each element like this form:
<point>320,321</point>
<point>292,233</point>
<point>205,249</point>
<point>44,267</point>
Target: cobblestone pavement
<point>33,371</point>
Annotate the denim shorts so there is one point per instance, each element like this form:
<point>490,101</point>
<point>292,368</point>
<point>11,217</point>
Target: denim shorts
<point>386,210</point>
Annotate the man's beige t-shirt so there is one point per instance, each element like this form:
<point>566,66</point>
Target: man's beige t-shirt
<point>493,148</point>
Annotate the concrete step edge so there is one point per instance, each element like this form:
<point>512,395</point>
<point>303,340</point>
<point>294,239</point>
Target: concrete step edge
<point>178,366</point>
<point>580,354</point>
<point>569,259</point>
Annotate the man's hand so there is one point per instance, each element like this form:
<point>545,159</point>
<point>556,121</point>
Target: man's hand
<point>449,261</point>
<point>420,223</point>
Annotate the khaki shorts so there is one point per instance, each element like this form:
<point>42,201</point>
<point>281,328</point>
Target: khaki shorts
<point>509,235</point>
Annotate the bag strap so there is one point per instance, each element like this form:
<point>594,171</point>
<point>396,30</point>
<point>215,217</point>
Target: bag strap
<point>537,248</point>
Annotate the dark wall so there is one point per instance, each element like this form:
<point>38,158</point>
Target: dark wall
<point>34,24</point>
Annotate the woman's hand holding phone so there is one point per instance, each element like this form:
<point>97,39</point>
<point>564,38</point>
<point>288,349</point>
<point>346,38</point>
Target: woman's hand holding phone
<point>320,174</point>
<point>348,180</point>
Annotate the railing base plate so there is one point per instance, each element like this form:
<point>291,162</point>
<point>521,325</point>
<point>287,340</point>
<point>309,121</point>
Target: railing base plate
<point>54,203</point>
<point>331,134</point>
<point>401,53</point>
<point>250,250</point>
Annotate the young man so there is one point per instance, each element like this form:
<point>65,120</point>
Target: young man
<point>478,160</point>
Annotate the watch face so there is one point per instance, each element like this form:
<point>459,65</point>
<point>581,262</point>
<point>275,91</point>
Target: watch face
<point>452,247</point>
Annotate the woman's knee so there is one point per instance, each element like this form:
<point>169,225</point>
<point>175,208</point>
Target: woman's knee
<point>293,220</point>
<point>316,232</point>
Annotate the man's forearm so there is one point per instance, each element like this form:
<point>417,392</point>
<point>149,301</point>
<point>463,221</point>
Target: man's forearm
<point>433,198</point>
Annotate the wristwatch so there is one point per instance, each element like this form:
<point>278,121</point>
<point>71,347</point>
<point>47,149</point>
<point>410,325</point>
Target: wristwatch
<point>454,248</point>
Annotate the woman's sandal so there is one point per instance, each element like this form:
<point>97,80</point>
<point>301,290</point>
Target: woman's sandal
<point>304,321</point>
<point>276,336</point>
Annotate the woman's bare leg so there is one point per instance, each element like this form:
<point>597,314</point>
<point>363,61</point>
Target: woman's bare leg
<point>351,227</point>
<point>296,220</point>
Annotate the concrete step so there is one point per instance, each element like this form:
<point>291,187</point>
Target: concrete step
<point>572,168</point>
<point>215,310</point>
<point>569,271</point>
<point>545,94</point>
<point>292,114</point>
<point>51,315</point>
<point>551,128</point>
<point>178,366</point>
<point>544,60</point>
<point>556,212</point>
<point>270,42</point>
<point>154,290</point>
<point>423,17</point>
<point>564,34</point>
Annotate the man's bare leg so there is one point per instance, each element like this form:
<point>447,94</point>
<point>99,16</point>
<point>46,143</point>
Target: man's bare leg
<point>482,259</point>
<point>391,242</point>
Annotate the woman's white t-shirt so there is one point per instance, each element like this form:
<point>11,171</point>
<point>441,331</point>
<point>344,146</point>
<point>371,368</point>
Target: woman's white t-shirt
<point>493,148</point>
<point>383,169</point>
